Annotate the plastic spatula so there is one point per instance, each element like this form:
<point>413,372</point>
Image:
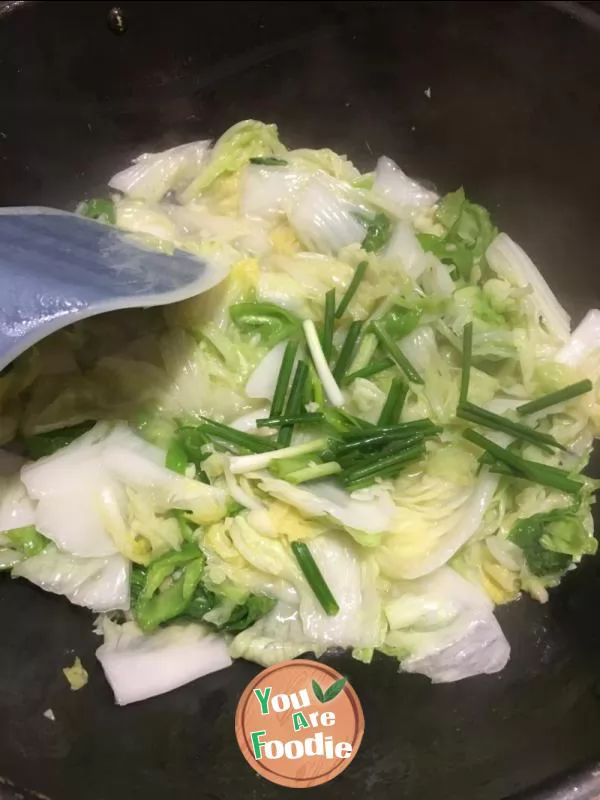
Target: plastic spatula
<point>56,268</point>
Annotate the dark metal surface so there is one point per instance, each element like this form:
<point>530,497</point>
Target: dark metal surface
<point>514,115</point>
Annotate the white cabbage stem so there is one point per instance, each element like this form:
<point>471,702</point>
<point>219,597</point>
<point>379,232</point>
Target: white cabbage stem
<point>238,494</point>
<point>397,188</point>
<point>511,262</point>
<point>138,667</point>
<point>584,339</point>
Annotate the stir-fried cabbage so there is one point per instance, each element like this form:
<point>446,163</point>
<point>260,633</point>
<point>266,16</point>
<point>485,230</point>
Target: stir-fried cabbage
<point>108,492</point>
<point>369,434</point>
<point>138,666</point>
<point>154,174</point>
<point>444,627</point>
<point>436,517</point>
<point>101,584</point>
<point>398,189</point>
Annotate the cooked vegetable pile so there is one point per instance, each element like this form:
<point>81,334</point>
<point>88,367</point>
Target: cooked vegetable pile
<point>370,434</point>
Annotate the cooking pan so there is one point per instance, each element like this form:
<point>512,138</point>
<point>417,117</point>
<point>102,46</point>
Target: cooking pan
<point>503,98</point>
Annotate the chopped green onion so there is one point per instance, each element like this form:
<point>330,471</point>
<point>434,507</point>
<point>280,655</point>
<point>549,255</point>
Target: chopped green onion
<point>347,351</point>
<point>363,483</point>
<point>256,444</point>
<point>553,470</point>
<point>359,274</point>
<point>503,469</point>
<point>336,422</point>
<point>283,378</point>
<point>308,391</point>
<point>369,370</point>
<point>328,324</point>
<point>467,356</point>
<point>315,579</point>
<point>481,416</point>
<point>532,470</point>
<point>392,407</point>
<point>256,461</point>
<point>491,461</point>
<point>269,161</point>
<point>276,422</point>
<point>345,451</point>
<point>568,393</point>
<point>373,470</point>
<point>343,422</point>
<point>317,394</point>
<point>394,352</point>
<point>294,403</point>
<point>355,458</point>
<point>282,467</point>
<point>411,427</point>
<point>176,458</point>
<point>313,473</point>
<point>375,464</point>
<point>376,441</point>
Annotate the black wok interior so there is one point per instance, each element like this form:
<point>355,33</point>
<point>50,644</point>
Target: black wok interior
<point>514,116</point>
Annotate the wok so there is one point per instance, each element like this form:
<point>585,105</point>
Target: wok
<point>514,116</point>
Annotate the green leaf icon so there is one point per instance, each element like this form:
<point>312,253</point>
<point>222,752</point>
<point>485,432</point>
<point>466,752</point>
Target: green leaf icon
<point>334,689</point>
<point>329,694</point>
<point>318,692</point>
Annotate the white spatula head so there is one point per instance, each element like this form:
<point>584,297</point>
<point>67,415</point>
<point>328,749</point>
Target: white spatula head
<point>57,267</point>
